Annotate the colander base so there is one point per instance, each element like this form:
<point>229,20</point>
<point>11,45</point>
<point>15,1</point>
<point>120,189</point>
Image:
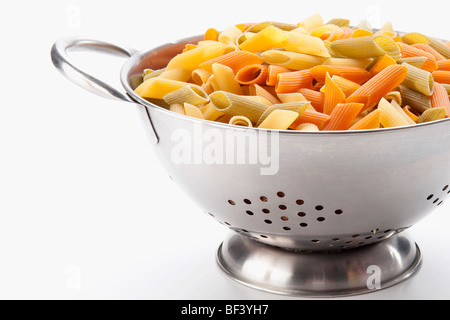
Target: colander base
<point>346,273</point>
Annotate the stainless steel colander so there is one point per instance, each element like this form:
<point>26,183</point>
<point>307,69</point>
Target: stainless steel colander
<point>329,219</point>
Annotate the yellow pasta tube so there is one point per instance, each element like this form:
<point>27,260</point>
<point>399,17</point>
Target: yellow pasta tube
<point>291,60</point>
<point>298,107</point>
<point>200,76</point>
<point>306,44</point>
<point>279,120</point>
<point>291,97</point>
<point>432,114</point>
<point>237,105</point>
<point>348,62</point>
<point>416,38</point>
<point>340,22</point>
<point>268,38</point>
<point>347,86</point>
<point>402,112</point>
<point>193,111</point>
<point>225,79</point>
<point>241,121</point>
<point>177,108</point>
<point>157,88</point>
<point>390,117</point>
<point>211,113</point>
<point>229,35</point>
<point>149,73</point>
<point>308,127</point>
<point>312,22</point>
<point>190,60</point>
<point>419,80</point>
<point>192,94</point>
<point>176,74</point>
<point>366,47</point>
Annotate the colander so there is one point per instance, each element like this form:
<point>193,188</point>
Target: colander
<point>318,214</point>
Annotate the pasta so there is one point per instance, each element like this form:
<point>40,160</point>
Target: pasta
<point>309,76</point>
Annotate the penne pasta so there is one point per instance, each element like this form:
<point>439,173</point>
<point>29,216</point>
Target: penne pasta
<point>211,113</point>
<point>310,116</point>
<point>340,22</point>
<point>268,38</point>
<point>377,87</point>
<point>225,79</point>
<point>257,90</point>
<point>342,116</point>
<point>191,60</point>
<point>307,127</point>
<point>316,98</point>
<point>157,88</point>
<point>241,121</point>
<point>328,32</point>
<point>348,62</point>
<point>300,43</point>
<point>419,102</point>
<point>253,74</point>
<point>291,97</point>
<point>441,76</point>
<point>177,108</point>
<point>414,115</point>
<point>289,82</point>
<point>298,107</point>
<point>347,86</point>
<point>409,51</point>
<point>235,60</point>
<point>366,47</point>
<point>418,38</point>
<point>177,74</point>
<point>371,121</point>
<point>417,62</point>
<point>381,64</point>
<point>444,65</point>
<point>432,114</point>
<point>419,80</point>
<point>191,94</point>
<point>211,35</point>
<point>200,76</point>
<point>394,96</point>
<point>350,73</point>
<point>390,116</point>
<point>430,50</point>
<point>279,120</point>
<point>291,60</point>
<point>274,71</point>
<point>236,105</point>
<point>229,35</point>
<point>402,112</point>
<point>192,111</point>
<point>440,99</point>
<point>333,96</point>
<point>311,22</point>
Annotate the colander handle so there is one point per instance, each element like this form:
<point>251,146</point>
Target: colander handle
<point>62,62</point>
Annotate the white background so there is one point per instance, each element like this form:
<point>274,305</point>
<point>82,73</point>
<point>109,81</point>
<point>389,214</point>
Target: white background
<point>86,210</point>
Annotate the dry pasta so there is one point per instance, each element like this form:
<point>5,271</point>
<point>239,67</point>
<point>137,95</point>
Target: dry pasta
<point>308,76</point>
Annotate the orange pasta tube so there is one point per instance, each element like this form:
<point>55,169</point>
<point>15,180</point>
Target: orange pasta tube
<point>257,90</point>
<point>235,60</point>
<point>333,96</point>
<point>444,65</point>
<point>427,48</point>
<point>371,121</point>
<point>252,74</point>
<point>441,76</point>
<point>211,34</point>
<point>410,51</point>
<point>274,71</point>
<point>342,116</point>
<point>292,81</point>
<point>384,62</point>
<point>316,98</point>
<point>379,86</point>
<point>354,74</point>
<point>414,115</point>
<point>440,98</point>
<point>309,116</point>
<point>347,86</point>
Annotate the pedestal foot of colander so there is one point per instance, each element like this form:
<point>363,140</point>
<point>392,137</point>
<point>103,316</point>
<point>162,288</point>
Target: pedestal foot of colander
<point>332,274</point>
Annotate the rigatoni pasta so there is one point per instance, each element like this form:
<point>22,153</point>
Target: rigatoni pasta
<point>309,76</point>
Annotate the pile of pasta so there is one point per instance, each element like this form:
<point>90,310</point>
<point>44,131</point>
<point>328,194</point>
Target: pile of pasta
<point>309,76</point>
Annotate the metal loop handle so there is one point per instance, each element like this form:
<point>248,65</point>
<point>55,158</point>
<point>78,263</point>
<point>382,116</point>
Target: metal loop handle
<point>61,60</point>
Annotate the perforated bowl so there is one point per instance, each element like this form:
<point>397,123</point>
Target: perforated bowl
<point>338,201</point>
